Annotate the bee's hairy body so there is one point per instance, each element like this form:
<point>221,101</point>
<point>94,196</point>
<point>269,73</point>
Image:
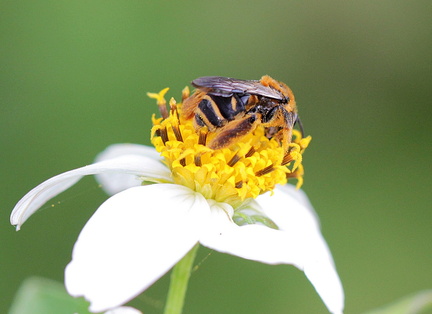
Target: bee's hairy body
<point>232,108</point>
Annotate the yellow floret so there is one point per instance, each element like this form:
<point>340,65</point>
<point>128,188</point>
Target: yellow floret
<point>246,169</point>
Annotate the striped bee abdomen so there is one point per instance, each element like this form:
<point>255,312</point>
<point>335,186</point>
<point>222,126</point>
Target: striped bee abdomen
<point>215,111</point>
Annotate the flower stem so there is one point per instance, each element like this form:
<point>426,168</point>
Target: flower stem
<point>179,281</point>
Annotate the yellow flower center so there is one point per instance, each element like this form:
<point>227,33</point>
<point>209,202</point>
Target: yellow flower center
<point>249,167</point>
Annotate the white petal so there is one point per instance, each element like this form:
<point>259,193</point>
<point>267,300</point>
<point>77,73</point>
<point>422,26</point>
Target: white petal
<point>116,150</point>
<point>299,195</point>
<point>254,242</point>
<point>300,222</point>
<point>134,238</point>
<point>290,209</point>
<point>130,164</point>
<point>298,242</point>
<point>124,310</point>
<point>113,183</point>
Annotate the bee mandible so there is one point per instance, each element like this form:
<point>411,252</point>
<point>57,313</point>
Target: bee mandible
<point>232,108</point>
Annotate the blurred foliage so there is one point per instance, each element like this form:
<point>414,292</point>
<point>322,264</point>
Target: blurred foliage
<point>419,302</point>
<point>73,80</point>
<point>43,296</point>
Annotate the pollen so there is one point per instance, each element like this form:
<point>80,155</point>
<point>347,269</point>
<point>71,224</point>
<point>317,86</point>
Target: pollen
<point>251,166</point>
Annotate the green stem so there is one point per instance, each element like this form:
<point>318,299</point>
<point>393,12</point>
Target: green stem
<point>179,281</point>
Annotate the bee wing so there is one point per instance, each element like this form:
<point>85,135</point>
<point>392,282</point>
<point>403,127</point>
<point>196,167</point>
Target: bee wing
<point>226,87</point>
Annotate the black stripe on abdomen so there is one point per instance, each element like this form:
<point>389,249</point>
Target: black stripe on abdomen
<point>229,107</point>
<point>210,112</point>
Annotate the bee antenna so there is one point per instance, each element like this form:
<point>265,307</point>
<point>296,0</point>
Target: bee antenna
<point>300,125</point>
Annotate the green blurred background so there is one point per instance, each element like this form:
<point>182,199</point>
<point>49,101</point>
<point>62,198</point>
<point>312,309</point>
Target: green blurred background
<point>74,77</point>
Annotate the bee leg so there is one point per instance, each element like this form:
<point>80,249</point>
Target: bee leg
<point>290,119</point>
<point>233,131</point>
<point>283,136</point>
<point>286,138</point>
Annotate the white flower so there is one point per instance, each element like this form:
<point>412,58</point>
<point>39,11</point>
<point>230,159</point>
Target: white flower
<point>142,231</point>
<point>123,310</point>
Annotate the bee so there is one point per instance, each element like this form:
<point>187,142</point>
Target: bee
<point>232,108</point>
